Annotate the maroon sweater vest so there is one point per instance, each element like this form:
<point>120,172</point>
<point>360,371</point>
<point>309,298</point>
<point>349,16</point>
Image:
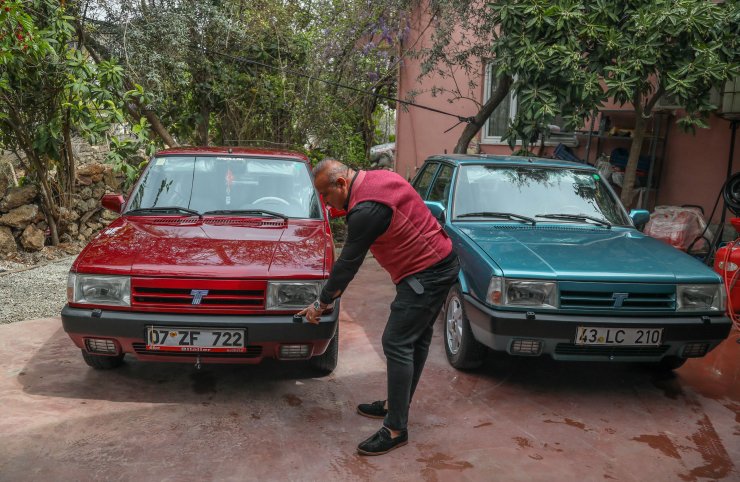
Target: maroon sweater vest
<point>414,240</point>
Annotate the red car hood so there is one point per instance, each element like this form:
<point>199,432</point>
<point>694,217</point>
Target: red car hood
<point>221,248</point>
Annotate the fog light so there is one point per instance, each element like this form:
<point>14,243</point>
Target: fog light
<point>526,347</point>
<point>101,345</point>
<point>695,350</point>
<point>294,351</point>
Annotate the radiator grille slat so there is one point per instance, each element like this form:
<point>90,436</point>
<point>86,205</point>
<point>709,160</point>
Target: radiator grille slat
<point>252,352</point>
<point>573,349</point>
<point>195,294</point>
<point>618,297</point>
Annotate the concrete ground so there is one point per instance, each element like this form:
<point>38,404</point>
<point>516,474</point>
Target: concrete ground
<point>513,419</point>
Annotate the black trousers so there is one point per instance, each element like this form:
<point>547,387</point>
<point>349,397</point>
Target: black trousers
<point>408,333</point>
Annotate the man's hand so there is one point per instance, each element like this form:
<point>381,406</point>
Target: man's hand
<point>312,312</point>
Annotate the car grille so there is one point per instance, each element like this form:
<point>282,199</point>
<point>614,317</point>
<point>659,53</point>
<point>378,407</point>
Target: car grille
<point>237,295</point>
<point>252,352</point>
<point>617,296</point>
<point>588,350</point>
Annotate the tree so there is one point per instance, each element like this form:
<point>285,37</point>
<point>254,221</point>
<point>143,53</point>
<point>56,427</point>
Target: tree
<point>567,57</point>
<point>48,90</point>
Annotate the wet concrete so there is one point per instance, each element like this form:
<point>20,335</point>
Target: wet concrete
<point>513,419</point>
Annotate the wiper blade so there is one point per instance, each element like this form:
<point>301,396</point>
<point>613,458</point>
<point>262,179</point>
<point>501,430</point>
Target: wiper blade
<point>248,211</point>
<point>164,210</point>
<point>576,217</point>
<point>491,214</point>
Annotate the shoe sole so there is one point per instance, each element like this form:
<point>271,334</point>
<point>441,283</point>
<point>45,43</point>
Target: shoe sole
<point>368,415</point>
<point>364,452</point>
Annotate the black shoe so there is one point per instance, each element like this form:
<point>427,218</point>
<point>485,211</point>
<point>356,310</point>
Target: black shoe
<point>381,442</point>
<point>372,410</point>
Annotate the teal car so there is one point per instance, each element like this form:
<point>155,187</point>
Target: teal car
<point>552,264</point>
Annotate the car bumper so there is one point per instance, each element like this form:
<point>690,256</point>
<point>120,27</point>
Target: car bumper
<point>265,334</point>
<point>553,334</point>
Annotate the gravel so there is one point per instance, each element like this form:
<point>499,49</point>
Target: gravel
<point>35,292</point>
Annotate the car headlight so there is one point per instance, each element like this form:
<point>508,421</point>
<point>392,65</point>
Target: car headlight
<point>703,297</point>
<point>522,293</point>
<point>288,295</point>
<point>98,289</point>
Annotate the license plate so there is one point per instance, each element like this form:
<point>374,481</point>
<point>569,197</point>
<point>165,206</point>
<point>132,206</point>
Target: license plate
<point>595,335</point>
<point>166,338</point>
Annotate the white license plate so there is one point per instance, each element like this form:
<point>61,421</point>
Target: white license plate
<point>166,338</point>
<point>596,335</point>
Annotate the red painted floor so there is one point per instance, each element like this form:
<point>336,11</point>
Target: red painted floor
<point>513,419</point>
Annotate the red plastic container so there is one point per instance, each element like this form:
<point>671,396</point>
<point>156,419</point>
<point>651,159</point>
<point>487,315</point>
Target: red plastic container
<point>727,264</point>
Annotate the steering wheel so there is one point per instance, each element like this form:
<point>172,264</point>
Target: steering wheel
<point>271,199</point>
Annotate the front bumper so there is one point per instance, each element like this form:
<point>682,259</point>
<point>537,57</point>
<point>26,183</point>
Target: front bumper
<point>499,330</point>
<point>265,333</point>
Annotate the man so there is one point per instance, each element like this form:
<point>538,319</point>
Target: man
<point>386,215</point>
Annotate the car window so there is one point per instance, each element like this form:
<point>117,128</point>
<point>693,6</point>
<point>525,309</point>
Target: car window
<point>424,178</point>
<point>532,191</point>
<point>441,187</point>
<point>211,183</point>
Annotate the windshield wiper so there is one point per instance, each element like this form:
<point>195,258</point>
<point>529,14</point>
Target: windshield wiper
<point>576,217</point>
<point>248,211</point>
<point>491,214</point>
<point>165,210</point>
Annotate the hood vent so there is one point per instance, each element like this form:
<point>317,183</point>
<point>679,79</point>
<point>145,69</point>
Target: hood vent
<point>522,227</point>
<point>170,220</point>
<point>247,222</point>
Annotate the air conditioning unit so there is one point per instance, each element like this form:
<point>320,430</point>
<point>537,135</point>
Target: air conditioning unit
<point>729,107</point>
<point>671,102</point>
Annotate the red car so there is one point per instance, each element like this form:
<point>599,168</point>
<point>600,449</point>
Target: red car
<point>215,252</point>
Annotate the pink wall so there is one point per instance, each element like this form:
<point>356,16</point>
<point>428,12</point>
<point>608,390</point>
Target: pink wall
<point>693,171</point>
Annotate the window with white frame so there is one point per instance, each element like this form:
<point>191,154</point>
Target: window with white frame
<point>498,123</point>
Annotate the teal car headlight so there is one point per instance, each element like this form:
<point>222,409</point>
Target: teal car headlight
<point>99,289</point>
<point>522,293</point>
<point>700,297</point>
<point>289,295</point>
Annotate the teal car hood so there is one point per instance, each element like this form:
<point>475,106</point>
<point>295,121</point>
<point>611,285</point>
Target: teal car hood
<point>585,254</point>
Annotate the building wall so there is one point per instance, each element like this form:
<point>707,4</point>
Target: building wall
<point>694,167</point>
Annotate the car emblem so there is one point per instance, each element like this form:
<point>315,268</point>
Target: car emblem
<point>619,299</point>
<point>198,296</point>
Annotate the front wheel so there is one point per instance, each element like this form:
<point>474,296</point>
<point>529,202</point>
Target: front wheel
<point>325,363</point>
<point>462,349</point>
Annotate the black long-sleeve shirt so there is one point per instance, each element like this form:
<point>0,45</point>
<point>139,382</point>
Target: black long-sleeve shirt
<point>365,223</point>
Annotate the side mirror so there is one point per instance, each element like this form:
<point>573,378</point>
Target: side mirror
<point>113,202</point>
<point>437,209</point>
<point>335,213</point>
<point>640,217</point>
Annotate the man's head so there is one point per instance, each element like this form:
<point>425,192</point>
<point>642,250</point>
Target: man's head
<point>332,180</point>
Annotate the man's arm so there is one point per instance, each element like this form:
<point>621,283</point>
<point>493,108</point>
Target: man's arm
<point>365,223</point>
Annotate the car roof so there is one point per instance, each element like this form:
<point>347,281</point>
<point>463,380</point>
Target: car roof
<point>495,159</point>
<point>232,151</point>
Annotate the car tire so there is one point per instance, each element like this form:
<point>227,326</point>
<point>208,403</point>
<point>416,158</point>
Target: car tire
<point>462,349</point>
<point>102,362</point>
<point>325,363</point>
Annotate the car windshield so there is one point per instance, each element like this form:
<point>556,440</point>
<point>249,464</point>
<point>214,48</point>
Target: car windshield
<point>227,185</point>
<point>546,194</point>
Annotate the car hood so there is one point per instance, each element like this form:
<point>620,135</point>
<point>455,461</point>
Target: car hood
<point>223,249</point>
<point>585,253</point>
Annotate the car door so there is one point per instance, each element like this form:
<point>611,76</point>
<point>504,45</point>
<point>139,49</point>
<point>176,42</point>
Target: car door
<point>424,178</point>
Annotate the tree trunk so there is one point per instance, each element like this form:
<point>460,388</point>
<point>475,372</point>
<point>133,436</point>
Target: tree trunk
<point>630,171</point>
<point>641,115</point>
<point>471,129</point>
<point>97,52</point>
<point>69,172</point>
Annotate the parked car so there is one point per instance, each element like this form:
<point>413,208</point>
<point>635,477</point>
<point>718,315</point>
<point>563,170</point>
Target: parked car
<point>551,263</point>
<point>214,252</point>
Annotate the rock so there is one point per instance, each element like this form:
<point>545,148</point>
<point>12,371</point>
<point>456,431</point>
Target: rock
<point>94,226</point>
<point>7,242</point>
<point>68,215</point>
<point>98,190</point>
<point>108,216</point>
<point>32,238</point>
<point>86,232</point>
<point>18,196</point>
<point>73,229</point>
<point>20,217</point>
<point>90,173</point>
<point>86,193</point>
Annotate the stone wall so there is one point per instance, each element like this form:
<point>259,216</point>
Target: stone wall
<point>23,225</point>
